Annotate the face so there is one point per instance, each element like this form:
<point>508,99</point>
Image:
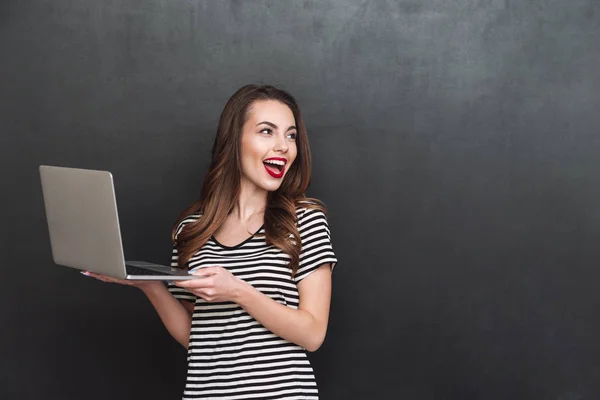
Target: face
<point>268,144</point>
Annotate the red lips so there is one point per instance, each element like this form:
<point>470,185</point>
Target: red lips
<point>274,170</point>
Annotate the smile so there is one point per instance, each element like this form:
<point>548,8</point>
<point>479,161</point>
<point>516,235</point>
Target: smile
<point>275,166</point>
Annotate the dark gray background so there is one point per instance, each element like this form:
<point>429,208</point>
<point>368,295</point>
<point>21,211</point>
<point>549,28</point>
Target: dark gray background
<point>456,144</point>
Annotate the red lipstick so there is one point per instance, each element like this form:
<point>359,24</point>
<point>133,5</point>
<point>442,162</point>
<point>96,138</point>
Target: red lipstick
<point>273,169</point>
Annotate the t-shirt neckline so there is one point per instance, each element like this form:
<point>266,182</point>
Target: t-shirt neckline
<point>239,244</point>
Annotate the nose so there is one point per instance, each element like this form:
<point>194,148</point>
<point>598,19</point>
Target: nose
<point>281,144</point>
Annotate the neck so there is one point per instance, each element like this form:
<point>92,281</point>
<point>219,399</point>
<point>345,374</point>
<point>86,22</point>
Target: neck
<point>252,201</point>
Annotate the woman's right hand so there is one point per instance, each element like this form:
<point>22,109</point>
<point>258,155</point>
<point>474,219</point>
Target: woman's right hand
<point>128,282</point>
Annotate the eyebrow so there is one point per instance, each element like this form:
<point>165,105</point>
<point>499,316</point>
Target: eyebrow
<point>272,125</point>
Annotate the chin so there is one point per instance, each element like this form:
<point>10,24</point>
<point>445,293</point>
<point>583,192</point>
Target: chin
<point>271,187</point>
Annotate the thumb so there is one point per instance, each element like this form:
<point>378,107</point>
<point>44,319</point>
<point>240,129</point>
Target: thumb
<point>205,271</point>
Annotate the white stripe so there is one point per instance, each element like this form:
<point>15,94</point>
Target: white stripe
<point>248,374</point>
<point>274,365</point>
<point>230,326</point>
<point>240,318</point>
<point>230,345</point>
<point>197,333</point>
<point>219,251</point>
<point>212,258</point>
<point>279,386</point>
<point>224,335</point>
<point>241,355</point>
<point>320,246</point>
<point>253,381</point>
<point>246,346</point>
<point>298,357</point>
<point>317,256</point>
<point>301,397</point>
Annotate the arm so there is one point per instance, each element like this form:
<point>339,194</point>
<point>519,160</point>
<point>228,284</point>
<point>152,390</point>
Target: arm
<point>175,315</point>
<point>305,326</point>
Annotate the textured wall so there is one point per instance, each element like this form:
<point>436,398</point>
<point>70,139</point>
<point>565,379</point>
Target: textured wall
<point>456,144</point>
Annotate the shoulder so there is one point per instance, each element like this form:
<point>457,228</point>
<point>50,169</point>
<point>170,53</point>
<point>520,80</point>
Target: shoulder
<point>309,212</point>
<point>189,219</point>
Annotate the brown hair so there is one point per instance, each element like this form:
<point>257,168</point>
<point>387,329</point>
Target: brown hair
<point>221,188</point>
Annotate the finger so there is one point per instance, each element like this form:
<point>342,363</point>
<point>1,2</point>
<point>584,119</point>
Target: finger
<point>107,279</point>
<point>200,292</point>
<point>101,277</point>
<point>183,283</point>
<point>206,296</point>
<point>196,283</point>
<point>207,299</point>
<point>93,275</point>
<point>207,271</point>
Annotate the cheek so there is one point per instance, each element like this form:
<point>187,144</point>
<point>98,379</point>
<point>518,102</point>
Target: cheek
<point>293,153</point>
<point>249,164</point>
<point>249,152</point>
<point>246,162</point>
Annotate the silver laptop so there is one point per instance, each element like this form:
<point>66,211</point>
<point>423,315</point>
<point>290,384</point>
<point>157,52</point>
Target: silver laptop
<point>81,211</point>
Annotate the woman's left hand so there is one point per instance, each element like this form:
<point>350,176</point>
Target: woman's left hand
<point>217,285</point>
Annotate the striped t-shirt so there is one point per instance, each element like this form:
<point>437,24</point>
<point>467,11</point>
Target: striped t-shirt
<point>230,354</point>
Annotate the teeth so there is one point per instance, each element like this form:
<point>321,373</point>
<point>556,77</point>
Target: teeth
<point>275,162</point>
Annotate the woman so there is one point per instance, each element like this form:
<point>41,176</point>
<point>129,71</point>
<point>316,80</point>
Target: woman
<point>262,254</point>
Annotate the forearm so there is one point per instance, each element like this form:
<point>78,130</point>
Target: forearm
<point>295,325</point>
<point>172,313</point>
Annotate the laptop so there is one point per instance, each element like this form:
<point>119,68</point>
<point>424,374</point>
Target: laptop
<point>83,223</point>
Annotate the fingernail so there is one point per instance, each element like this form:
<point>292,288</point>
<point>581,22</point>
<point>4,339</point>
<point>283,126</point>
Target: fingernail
<point>85,273</point>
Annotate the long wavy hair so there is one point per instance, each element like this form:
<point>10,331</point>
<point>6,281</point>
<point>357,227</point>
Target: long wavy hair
<point>221,187</point>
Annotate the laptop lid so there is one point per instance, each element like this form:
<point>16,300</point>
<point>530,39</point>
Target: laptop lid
<point>83,223</point>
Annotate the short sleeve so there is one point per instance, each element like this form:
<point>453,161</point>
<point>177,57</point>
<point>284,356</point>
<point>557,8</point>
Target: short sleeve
<point>317,249</point>
<point>178,292</point>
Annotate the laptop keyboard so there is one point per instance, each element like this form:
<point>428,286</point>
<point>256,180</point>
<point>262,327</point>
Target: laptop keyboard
<point>131,270</point>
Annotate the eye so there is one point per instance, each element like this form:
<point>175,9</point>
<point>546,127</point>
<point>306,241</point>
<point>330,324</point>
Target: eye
<point>293,135</point>
<point>268,131</point>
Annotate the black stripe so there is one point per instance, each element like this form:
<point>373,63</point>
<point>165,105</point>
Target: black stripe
<point>265,348</point>
<point>292,361</point>
<point>264,375</point>
<point>298,388</point>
